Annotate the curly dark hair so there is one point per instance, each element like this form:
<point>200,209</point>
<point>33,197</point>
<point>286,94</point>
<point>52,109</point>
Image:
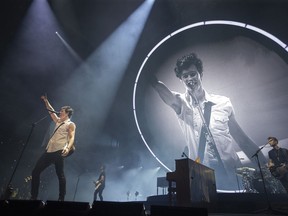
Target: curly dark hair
<point>186,61</point>
<point>68,110</point>
<point>273,139</point>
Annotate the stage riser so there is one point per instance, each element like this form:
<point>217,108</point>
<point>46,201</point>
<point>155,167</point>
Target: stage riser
<point>177,211</point>
<point>55,208</point>
<point>231,202</point>
<point>154,206</point>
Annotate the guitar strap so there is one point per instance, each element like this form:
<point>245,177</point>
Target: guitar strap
<point>55,131</point>
<point>202,142</point>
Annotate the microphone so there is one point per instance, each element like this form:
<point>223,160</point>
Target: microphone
<point>183,154</point>
<point>53,111</point>
<point>265,144</point>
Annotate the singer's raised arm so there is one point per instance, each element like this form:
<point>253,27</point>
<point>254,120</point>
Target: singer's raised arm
<point>49,107</point>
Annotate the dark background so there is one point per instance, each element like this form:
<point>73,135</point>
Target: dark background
<point>33,61</point>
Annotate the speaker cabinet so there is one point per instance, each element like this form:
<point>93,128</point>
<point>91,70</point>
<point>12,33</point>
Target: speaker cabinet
<point>66,208</point>
<point>105,208</point>
<point>22,207</point>
<point>177,211</point>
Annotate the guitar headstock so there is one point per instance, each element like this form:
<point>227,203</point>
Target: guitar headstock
<point>28,178</point>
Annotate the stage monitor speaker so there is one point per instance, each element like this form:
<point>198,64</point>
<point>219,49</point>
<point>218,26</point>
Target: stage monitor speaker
<point>22,207</point>
<point>106,208</point>
<point>78,206</point>
<point>63,208</point>
<point>156,210</point>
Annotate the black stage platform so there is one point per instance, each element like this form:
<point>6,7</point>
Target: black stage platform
<point>235,203</point>
<point>226,204</point>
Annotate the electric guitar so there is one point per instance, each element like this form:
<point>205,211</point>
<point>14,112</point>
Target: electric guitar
<point>97,184</point>
<point>71,151</point>
<point>279,171</point>
<point>27,179</point>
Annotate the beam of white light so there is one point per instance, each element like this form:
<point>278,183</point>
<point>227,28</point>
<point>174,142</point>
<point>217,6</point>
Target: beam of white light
<point>212,22</point>
<point>98,82</point>
<point>70,49</point>
<point>35,36</point>
<point>33,49</point>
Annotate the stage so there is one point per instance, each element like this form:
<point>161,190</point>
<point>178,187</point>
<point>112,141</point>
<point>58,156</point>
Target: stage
<point>233,203</point>
<point>225,204</point>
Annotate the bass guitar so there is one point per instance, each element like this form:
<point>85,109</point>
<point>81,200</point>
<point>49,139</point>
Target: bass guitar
<point>279,171</point>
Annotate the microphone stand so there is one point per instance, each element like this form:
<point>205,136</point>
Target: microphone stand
<point>76,188</point>
<point>8,187</point>
<point>77,183</point>
<point>269,208</point>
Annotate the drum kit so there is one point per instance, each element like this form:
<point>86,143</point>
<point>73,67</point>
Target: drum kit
<point>252,181</point>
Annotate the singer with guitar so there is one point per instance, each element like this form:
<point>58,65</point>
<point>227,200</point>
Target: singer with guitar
<point>59,146</point>
<point>100,184</point>
<point>278,162</point>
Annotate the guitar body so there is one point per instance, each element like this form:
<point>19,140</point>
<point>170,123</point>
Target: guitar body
<point>97,184</point>
<point>71,151</point>
<point>279,171</point>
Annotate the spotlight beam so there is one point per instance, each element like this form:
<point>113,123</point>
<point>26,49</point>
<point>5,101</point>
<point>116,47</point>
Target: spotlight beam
<point>70,49</point>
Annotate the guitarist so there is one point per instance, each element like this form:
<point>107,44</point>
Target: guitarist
<point>278,162</point>
<point>100,184</point>
<point>60,145</point>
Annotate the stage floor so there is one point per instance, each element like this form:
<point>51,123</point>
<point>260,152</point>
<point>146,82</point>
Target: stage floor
<point>225,204</point>
<point>243,204</point>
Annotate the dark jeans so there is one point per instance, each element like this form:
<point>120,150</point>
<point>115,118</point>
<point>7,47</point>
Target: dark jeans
<point>43,162</point>
<point>99,191</point>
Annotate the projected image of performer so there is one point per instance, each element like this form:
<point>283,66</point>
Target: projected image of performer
<point>278,162</point>
<point>60,145</point>
<point>207,121</point>
<point>100,184</point>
